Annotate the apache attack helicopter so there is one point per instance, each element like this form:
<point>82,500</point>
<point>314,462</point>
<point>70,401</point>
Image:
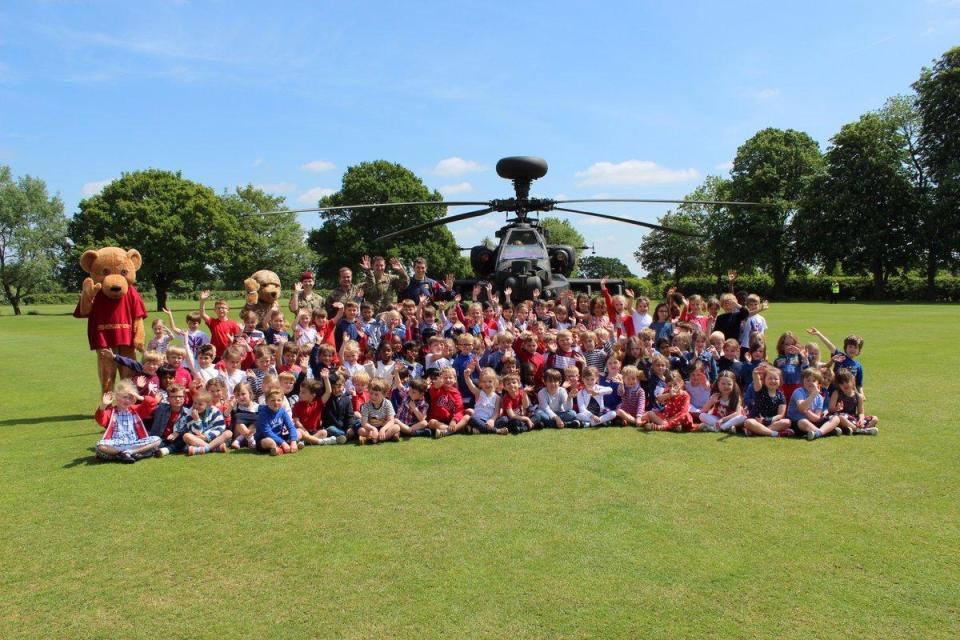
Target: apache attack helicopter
<point>523,261</point>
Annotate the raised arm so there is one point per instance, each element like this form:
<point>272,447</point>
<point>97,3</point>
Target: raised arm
<point>826,342</point>
<point>203,304</point>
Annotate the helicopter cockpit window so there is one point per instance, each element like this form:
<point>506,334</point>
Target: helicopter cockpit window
<point>522,244</point>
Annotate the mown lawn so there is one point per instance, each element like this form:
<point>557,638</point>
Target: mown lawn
<point>607,533</point>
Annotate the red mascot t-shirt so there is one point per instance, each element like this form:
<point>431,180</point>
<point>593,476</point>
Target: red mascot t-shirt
<point>110,323</point>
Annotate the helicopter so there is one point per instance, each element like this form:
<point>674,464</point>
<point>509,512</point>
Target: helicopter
<point>523,261</point>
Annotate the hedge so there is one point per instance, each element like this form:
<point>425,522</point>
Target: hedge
<point>947,289</point>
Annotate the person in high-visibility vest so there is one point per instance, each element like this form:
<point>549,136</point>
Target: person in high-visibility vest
<point>834,292</point>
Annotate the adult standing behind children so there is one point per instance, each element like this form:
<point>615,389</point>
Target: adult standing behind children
<point>380,288</point>
<point>422,285</point>
<point>345,291</point>
<point>304,297</point>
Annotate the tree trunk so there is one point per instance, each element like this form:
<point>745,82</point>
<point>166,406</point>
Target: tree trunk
<point>932,271</point>
<point>13,298</point>
<point>879,281</point>
<point>15,302</point>
<point>779,277</point>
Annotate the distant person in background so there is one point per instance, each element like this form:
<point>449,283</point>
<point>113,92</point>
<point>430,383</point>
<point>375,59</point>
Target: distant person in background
<point>834,292</point>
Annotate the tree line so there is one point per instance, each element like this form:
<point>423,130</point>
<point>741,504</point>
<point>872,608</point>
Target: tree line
<point>883,199</point>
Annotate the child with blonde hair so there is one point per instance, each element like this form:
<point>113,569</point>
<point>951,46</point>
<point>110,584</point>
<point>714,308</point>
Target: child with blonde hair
<point>125,438</point>
<point>591,410</point>
<point>377,422</point>
<point>767,413</point>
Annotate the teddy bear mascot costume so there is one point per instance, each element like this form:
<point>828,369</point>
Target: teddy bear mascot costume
<point>112,306</point>
<point>262,295</point>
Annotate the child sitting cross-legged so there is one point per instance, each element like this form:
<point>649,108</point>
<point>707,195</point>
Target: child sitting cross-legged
<point>339,418</point>
<point>125,438</point>
<point>675,415</point>
<point>590,408</point>
<point>308,412</point>
<point>244,416</point>
<point>276,432</point>
<point>807,409</point>
<point>846,403</point>
<point>722,411</point>
<point>483,415</point>
<point>170,421</point>
<point>554,404</point>
<point>633,398</point>
<point>768,408</point>
<point>513,406</point>
<point>376,416</point>
<point>207,429</point>
<point>412,408</point>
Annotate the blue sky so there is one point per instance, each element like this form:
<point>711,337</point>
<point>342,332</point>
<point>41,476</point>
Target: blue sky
<point>639,99</point>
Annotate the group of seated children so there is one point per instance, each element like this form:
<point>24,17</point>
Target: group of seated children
<point>435,368</point>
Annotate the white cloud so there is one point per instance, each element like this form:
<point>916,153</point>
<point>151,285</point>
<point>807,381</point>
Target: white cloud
<point>456,166</point>
<point>768,93</point>
<point>632,172</point>
<point>277,187</point>
<point>93,188</point>
<point>312,196</point>
<point>318,165</point>
<point>724,166</point>
<point>257,162</point>
<point>453,189</point>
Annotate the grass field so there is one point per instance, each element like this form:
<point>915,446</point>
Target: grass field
<point>605,533</point>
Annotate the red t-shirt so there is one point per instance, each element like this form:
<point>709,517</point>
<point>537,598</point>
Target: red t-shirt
<point>110,323</point>
<point>309,414</point>
<point>511,402</point>
<point>222,333</point>
<point>360,398</point>
<point>446,404</point>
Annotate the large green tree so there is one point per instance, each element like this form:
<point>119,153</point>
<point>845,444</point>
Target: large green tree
<point>346,235</point>
<point>672,255</point>
<point>32,230</point>
<point>276,242</point>
<point>599,266</point>
<point>861,211</point>
<point>771,167</point>
<point>938,104</point>
<point>560,231</point>
<point>180,227</point>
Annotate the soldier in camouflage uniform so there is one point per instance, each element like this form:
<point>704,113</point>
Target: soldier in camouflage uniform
<point>380,288</point>
<point>345,292</point>
<point>304,297</point>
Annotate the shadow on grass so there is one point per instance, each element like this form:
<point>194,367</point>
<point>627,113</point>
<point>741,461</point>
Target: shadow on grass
<point>73,417</point>
<point>90,460</point>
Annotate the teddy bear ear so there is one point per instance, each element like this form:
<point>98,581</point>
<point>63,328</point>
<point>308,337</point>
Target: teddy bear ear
<point>88,259</point>
<point>135,258</point>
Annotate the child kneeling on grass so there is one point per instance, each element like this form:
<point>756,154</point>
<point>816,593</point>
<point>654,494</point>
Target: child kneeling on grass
<point>125,439</point>
<point>276,432</point>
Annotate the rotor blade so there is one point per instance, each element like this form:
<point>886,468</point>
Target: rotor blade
<point>648,200</point>
<point>437,223</point>
<point>370,206</point>
<point>629,221</point>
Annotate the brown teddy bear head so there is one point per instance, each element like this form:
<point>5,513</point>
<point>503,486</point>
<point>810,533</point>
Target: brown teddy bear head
<point>114,268</point>
<point>263,287</point>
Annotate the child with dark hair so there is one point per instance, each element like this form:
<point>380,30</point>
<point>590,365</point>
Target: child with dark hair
<point>846,403</point>
<point>170,421</point>
<point>846,359</point>
<point>339,418</point>
<point>308,412</point>
<point>675,415</point>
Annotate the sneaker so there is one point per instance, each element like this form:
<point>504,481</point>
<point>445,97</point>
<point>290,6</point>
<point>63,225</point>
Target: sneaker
<point>503,431</point>
<point>126,457</point>
<point>787,433</point>
<point>341,439</point>
<point>725,428</point>
<point>440,433</point>
<point>328,440</point>
<point>235,444</point>
<point>847,431</point>
<point>276,451</point>
<point>867,431</point>
<point>838,432</point>
<point>162,451</point>
<point>708,428</point>
<point>252,442</point>
<point>813,435</point>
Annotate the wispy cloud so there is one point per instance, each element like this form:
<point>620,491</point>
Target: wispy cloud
<point>453,189</point>
<point>455,166</point>
<point>277,187</point>
<point>257,162</point>
<point>767,93</point>
<point>147,45</point>
<point>312,196</point>
<point>318,166</point>
<point>633,172</point>
<point>93,188</point>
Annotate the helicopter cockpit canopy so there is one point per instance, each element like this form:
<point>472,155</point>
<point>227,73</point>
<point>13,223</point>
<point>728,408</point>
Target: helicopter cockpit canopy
<point>522,244</point>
